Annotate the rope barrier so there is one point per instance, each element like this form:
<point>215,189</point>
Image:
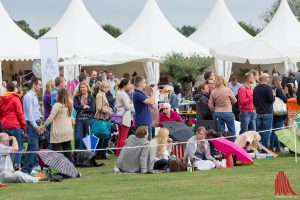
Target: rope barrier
<point>136,147</point>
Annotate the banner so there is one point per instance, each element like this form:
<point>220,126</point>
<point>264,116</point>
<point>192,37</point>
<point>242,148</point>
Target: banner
<point>49,59</point>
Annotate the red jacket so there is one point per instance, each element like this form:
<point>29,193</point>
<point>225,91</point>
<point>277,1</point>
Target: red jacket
<point>11,112</point>
<point>174,117</point>
<point>245,97</point>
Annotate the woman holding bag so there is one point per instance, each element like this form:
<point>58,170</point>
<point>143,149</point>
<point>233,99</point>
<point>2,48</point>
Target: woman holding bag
<point>103,114</point>
<point>124,106</point>
<point>84,104</point>
<point>278,120</point>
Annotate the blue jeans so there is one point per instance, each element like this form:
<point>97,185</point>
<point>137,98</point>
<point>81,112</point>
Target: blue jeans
<point>33,145</point>
<point>248,122</point>
<point>263,126</point>
<point>47,136</point>
<point>160,164</point>
<point>225,118</point>
<point>17,132</point>
<point>274,142</point>
<point>81,130</point>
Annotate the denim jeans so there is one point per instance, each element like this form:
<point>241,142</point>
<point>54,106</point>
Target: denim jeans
<point>47,136</point>
<point>274,142</point>
<point>33,145</point>
<point>81,130</point>
<point>160,164</point>
<point>225,118</point>
<point>17,132</point>
<point>263,126</point>
<point>248,122</point>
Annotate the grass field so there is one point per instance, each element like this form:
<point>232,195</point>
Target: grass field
<point>243,182</point>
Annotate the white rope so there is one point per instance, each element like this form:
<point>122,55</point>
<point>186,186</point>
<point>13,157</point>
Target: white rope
<point>136,147</point>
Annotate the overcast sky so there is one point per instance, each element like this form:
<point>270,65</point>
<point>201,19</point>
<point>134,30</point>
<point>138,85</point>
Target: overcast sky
<point>121,13</point>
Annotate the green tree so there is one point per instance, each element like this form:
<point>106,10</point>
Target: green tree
<point>187,30</point>
<point>294,5</point>
<point>250,28</point>
<point>112,30</point>
<point>185,70</point>
<point>25,27</point>
<point>43,31</point>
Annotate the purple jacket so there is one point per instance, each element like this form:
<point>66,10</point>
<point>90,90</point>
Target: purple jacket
<point>47,105</point>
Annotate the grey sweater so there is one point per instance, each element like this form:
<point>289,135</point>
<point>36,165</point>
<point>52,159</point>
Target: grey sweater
<point>191,150</point>
<point>134,160</point>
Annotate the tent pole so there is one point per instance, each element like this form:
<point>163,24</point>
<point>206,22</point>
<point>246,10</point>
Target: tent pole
<point>296,157</point>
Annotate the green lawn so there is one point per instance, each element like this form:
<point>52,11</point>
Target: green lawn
<point>243,182</point>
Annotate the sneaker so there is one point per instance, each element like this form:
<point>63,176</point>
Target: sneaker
<point>37,168</point>
<point>116,170</point>
<point>286,149</point>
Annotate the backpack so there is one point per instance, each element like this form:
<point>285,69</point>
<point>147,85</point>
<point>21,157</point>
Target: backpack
<point>86,159</point>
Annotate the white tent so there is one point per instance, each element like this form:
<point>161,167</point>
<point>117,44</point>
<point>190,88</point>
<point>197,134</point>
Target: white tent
<point>153,33</point>
<point>219,28</point>
<point>79,36</point>
<point>256,51</point>
<point>15,44</point>
<point>284,27</point>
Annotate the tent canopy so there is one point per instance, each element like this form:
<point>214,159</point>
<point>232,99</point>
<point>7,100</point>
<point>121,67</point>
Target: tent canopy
<point>152,33</point>
<point>15,44</point>
<point>257,51</point>
<point>219,28</point>
<point>284,27</point>
<point>80,36</point>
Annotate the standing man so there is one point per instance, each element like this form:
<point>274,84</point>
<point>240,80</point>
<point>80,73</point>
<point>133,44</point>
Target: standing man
<point>59,84</point>
<point>32,117</point>
<point>245,100</point>
<point>211,85</point>
<point>111,82</point>
<point>93,79</point>
<point>234,85</point>
<point>263,98</point>
<point>141,104</point>
<point>12,118</point>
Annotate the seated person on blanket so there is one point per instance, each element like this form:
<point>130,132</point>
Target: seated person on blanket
<point>134,157</point>
<point>197,148</point>
<point>7,172</point>
<point>160,150</point>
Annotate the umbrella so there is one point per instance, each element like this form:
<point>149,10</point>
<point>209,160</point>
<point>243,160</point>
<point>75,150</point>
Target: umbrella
<point>288,139</point>
<point>91,142</point>
<point>229,147</point>
<point>59,162</point>
<point>178,131</point>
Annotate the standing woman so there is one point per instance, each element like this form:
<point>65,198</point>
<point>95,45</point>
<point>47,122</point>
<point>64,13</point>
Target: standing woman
<point>84,104</point>
<point>278,121</point>
<point>103,112</point>
<point>61,129</point>
<point>220,102</point>
<point>124,106</point>
<point>47,109</point>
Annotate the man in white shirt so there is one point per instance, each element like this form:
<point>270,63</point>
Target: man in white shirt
<point>7,172</point>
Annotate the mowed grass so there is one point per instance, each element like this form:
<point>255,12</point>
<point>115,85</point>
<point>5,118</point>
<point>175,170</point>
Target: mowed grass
<point>242,182</point>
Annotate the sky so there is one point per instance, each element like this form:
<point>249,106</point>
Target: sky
<point>121,13</point>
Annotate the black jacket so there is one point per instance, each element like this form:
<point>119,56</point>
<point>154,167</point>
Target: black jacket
<point>85,113</point>
<point>202,109</point>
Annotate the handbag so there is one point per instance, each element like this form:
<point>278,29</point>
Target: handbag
<point>279,107</point>
<point>101,128</point>
<point>116,119</point>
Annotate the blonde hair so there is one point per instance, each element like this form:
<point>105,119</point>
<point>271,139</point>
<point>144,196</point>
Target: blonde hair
<point>220,81</point>
<point>86,85</point>
<point>49,86</point>
<point>103,85</point>
<point>162,139</point>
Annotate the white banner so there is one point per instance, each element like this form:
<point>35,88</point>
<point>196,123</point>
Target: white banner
<point>49,59</point>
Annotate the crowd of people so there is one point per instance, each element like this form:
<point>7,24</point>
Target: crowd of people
<point>100,97</point>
